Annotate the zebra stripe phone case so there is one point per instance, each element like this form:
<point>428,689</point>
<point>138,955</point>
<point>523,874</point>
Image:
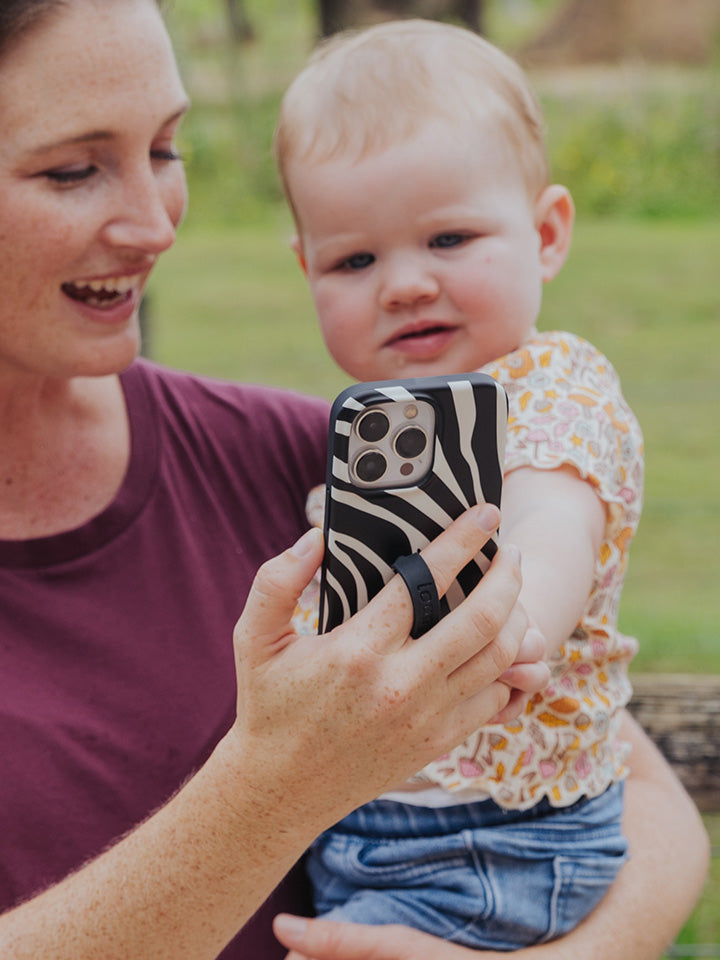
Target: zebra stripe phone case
<point>390,492</point>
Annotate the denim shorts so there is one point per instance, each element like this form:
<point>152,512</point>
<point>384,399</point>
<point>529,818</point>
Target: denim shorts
<point>473,874</point>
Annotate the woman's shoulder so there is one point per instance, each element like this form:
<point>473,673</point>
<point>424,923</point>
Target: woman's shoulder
<point>188,395</point>
<point>247,435</point>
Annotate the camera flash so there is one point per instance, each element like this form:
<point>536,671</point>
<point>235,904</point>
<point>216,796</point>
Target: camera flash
<point>411,411</point>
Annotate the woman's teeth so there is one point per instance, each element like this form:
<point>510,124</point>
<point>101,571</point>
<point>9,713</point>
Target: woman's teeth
<point>98,293</point>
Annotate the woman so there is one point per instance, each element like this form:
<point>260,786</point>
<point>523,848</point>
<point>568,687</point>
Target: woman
<point>132,514</point>
<point>132,510</point>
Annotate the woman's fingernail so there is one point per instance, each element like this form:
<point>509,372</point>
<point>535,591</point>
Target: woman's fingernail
<point>290,926</point>
<point>308,543</point>
<point>489,518</point>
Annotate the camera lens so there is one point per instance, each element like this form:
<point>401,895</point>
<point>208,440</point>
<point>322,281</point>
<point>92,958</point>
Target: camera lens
<point>410,443</point>
<point>370,466</point>
<point>372,426</point>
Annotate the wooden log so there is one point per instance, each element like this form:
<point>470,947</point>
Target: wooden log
<point>681,713</point>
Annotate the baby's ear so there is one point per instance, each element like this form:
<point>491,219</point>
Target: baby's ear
<point>296,246</point>
<point>554,218</point>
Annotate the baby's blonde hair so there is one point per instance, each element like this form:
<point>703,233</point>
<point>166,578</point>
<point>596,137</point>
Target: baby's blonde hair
<point>363,91</point>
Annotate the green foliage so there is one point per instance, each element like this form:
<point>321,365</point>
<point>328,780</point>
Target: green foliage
<point>227,149</point>
<point>645,154</point>
<point>630,140</point>
<point>236,89</point>
<point>641,151</point>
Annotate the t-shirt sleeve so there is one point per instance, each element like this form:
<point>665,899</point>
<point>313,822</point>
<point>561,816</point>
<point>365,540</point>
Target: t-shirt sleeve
<point>566,408</point>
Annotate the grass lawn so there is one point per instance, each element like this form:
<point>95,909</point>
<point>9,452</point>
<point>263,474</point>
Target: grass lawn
<point>233,303</point>
<point>703,927</point>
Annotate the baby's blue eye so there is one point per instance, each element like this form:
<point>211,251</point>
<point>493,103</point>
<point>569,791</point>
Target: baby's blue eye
<point>358,261</point>
<point>445,240</point>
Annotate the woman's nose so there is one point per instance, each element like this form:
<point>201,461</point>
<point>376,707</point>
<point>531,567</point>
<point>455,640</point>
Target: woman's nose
<point>149,208</point>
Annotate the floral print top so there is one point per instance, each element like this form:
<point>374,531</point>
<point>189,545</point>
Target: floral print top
<point>565,407</point>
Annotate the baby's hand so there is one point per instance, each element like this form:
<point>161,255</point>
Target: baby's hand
<point>528,675</point>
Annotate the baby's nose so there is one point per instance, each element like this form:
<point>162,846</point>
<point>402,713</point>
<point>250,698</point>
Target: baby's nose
<point>408,281</point>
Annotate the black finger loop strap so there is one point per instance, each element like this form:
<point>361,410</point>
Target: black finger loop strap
<point>423,593</point>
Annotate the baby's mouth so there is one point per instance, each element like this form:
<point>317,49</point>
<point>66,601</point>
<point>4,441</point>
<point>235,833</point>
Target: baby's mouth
<point>102,293</point>
<point>421,333</point>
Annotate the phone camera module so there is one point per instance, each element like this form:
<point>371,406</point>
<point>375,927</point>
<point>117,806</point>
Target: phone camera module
<point>372,426</point>
<point>410,443</point>
<point>391,442</point>
<point>370,466</point>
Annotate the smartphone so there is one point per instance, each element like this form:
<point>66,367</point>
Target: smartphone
<point>406,458</point>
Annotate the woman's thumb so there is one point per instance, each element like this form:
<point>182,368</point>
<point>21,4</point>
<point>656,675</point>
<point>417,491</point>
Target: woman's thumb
<point>274,596</point>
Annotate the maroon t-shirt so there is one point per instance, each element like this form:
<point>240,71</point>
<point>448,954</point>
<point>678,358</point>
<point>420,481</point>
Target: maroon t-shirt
<point>116,659</point>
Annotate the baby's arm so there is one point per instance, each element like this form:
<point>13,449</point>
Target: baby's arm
<point>557,520</point>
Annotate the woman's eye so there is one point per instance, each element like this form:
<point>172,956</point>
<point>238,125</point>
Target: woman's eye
<point>445,240</point>
<point>358,261</point>
<point>167,155</point>
<point>70,174</point>
<point>66,176</point>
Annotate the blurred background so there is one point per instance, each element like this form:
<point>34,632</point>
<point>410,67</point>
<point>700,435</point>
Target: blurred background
<point>631,90</point>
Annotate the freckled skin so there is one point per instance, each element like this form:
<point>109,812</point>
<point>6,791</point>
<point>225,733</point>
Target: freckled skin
<point>54,87</point>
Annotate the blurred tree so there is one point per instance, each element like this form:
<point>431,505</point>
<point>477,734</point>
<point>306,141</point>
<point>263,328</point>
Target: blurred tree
<point>340,14</point>
<point>334,16</point>
<point>241,29</point>
<point>583,31</point>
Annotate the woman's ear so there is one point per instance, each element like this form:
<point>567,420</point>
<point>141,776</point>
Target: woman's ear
<point>296,246</point>
<point>554,218</point>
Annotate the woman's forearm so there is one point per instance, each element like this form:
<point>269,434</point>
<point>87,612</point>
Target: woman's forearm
<point>179,886</point>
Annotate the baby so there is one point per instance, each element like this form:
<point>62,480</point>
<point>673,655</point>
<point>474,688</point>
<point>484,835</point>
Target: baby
<point>412,155</point>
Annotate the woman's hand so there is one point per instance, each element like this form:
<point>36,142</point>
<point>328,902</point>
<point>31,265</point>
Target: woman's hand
<point>332,721</point>
<point>330,940</point>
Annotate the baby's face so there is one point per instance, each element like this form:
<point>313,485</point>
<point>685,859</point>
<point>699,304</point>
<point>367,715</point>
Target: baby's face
<point>425,258</point>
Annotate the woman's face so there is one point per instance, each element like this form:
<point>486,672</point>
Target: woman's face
<point>91,187</point>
